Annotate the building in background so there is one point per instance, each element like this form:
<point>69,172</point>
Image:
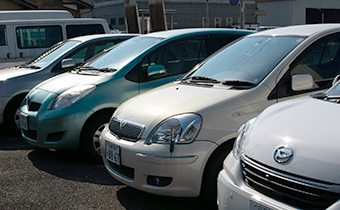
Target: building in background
<point>78,8</point>
<point>179,13</point>
<point>297,12</point>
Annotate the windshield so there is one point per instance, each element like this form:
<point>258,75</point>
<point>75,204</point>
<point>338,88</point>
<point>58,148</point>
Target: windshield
<point>248,60</point>
<point>123,53</point>
<point>51,54</point>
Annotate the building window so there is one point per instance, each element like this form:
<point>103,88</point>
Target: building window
<point>113,21</point>
<point>121,21</point>
<point>205,24</point>
<point>217,22</point>
<point>229,21</point>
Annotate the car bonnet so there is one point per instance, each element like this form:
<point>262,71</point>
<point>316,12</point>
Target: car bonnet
<point>63,82</point>
<point>309,127</point>
<point>172,99</point>
<point>13,72</point>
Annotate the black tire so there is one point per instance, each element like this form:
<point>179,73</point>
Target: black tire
<point>89,140</point>
<point>11,119</point>
<point>209,181</point>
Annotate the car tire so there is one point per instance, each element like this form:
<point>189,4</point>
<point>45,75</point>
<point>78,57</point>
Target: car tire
<point>89,140</point>
<point>213,167</point>
<point>11,119</point>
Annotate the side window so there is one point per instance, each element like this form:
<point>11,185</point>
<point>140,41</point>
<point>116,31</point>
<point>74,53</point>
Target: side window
<point>321,60</point>
<point>176,58</point>
<point>2,35</point>
<point>38,36</point>
<point>85,53</point>
<point>80,30</point>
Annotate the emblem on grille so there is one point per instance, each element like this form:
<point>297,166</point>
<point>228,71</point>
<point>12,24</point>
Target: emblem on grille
<point>122,124</point>
<point>283,154</point>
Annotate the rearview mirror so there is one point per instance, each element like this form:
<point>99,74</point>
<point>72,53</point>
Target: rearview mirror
<point>302,82</point>
<point>68,63</point>
<point>156,70</point>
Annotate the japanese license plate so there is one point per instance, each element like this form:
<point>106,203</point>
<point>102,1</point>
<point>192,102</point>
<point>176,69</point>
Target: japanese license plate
<point>24,121</point>
<point>253,205</point>
<point>112,153</point>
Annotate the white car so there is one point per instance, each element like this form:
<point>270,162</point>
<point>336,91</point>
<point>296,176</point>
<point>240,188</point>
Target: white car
<point>286,158</point>
<point>172,140</point>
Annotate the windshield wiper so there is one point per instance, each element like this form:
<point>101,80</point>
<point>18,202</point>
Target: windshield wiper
<point>200,79</point>
<point>238,83</point>
<point>90,68</point>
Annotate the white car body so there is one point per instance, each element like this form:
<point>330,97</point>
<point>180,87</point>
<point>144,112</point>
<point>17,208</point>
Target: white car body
<point>192,167</point>
<point>290,148</point>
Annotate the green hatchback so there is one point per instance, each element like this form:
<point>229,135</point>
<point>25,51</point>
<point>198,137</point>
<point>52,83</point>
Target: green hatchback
<point>69,111</point>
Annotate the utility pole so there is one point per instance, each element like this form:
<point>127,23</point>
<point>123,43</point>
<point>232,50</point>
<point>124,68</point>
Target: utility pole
<point>243,11</point>
<point>207,14</point>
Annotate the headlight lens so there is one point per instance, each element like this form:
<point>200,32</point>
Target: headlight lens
<point>242,133</point>
<point>72,95</point>
<point>181,128</point>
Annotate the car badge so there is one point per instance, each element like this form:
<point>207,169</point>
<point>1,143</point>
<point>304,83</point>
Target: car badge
<point>283,154</point>
<point>122,124</point>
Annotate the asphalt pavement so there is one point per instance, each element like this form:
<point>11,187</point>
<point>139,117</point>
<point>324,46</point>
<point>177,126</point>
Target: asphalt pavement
<point>34,178</point>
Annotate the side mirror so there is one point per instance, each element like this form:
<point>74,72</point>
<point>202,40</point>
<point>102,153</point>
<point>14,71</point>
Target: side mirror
<point>302,82</point>
<point>336,79</point>
<point>68,63</point>
<point>156,70</point>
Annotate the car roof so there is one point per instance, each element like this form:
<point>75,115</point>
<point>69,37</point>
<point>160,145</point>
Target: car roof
<point>299,30</point>
<point>193,31</point>
<point>101,36</point>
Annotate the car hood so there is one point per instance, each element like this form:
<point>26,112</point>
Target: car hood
<point>62,82</point>
<point>310,127</point>
<point>12,72</point>
<point>172,99</point>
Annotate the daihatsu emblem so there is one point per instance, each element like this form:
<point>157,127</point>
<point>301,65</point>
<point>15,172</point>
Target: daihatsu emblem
<point>283,154</point>
<point>122,124</point>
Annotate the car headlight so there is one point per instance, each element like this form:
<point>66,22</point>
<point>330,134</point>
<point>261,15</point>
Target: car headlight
<point>242,134</point>
<point>178,129</point>
<point>72,95</point>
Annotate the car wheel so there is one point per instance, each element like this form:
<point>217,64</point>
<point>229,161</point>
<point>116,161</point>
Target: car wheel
<point>89,142</point>
<point>213,167</point>
<point>11,116</point>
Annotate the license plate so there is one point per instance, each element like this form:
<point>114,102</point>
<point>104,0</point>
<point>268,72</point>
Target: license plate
<point>259,206</point>
<point>112,153</point>
<point>24,121</point>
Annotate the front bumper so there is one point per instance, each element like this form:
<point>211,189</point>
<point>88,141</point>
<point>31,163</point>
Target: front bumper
<point>55,129</point>
<point>152,168</point>
<point>233,193</point>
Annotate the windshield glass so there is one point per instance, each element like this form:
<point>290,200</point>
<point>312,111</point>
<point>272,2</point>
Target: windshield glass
<point>248,60</point>
<point>122,53</point>
<point>334,91</point>
<point>51,54</point>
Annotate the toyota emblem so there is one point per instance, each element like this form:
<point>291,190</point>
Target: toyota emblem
<point>283,154</point>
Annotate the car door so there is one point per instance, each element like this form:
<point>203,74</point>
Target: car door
<point>321,60</point>
<point>171,61</point>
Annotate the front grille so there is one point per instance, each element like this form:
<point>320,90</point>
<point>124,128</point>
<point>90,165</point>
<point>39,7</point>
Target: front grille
<point>297,191</point>
<point>123,170</point>
<point>126,129</point>
<point>30,134</point>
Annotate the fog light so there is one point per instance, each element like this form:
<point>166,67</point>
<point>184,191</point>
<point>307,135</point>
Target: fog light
<point>159,181</point>
<point>54,136</point>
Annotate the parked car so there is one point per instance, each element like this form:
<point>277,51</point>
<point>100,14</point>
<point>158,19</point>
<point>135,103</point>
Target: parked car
<point>16,82</point>
<point>23,35</point>
<point>286,158</point>
<point>172,140</point>
<point>69,111</point>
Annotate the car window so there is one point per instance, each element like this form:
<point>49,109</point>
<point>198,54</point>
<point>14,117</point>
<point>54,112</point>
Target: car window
<point>38,36</point>
<point>176,58</point>
<point>86,52</point>
<point>80,30</point>
<point>2,35</point>
<point>321,60</point>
